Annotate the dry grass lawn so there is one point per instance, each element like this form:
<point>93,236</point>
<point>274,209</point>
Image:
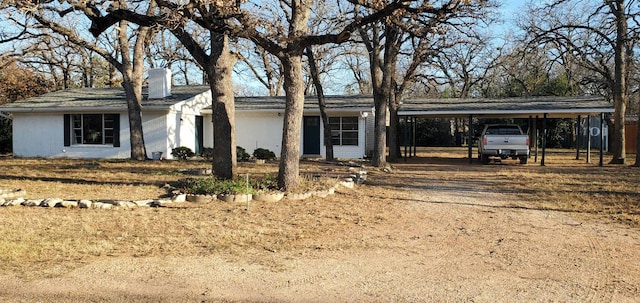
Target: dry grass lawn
<point>39,242</point>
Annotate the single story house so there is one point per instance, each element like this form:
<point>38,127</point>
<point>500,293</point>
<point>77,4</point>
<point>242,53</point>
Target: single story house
<point>93,122</point>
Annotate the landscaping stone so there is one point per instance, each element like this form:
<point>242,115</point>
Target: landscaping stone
<point>33,202</point>
<point>14,202</point>
<point>143,203</point>
<point>179,198</point>
<point>68,204</point>
<point>51,202</point>
<point>85,203</point>
<point>298,196</point>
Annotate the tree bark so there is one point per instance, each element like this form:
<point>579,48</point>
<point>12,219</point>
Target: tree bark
<point>620,85</point>
<point>391,49</point>
<point>132,74</point>
<point>321,104</point>
<point>294,91</point>
<point>219,74</point>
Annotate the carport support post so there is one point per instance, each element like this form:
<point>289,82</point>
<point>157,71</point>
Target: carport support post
<point>601,140</point>
<point>544,138</point>
<point>578,137</point>
<point>470,140</point>
<point>588,138</point>
<point>535,141</point>
<point>413,136</point>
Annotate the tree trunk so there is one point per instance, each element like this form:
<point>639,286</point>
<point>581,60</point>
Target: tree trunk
<point>394,129</point>
<point>380,100</point>
<point>219,74</point>
<point>380,129</point>
<point>132,76</point>
<point>321,104</point>
<point>290,153</point>
<point>620,85</point>
<point>391,49</point>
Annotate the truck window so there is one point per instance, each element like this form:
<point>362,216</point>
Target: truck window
<point>502,130</point>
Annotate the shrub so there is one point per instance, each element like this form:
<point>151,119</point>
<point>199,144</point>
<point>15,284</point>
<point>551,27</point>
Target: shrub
<point>182,153</point>
<point>267,183</point>
<point>199,186</point>
<point>234,186</point>
<point>207,153</point>
<point>242,154</point>
<point>263,154</point>
<point>213,186</point>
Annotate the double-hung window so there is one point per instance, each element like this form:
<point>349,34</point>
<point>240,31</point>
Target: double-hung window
<point>92,129</point>
<point>344,130</point>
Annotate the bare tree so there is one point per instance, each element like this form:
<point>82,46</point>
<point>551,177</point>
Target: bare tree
<point>592,33</point>
<point>130,64</point>
<point>384,43</point>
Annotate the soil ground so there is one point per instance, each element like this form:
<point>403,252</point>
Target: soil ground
<point>412,235</point>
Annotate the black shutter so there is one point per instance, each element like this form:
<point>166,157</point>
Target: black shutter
<point>116,130</point>
<point>67,130</point>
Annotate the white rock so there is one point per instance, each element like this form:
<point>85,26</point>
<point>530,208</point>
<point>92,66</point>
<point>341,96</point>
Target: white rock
<point>34,202</point>
<point>179,198</point>
<point>52,202</point>
<point>85,203</point>
<point>143,202</point>
<point>68,204</point>
<point>14,202</point>
<point>101,205</point>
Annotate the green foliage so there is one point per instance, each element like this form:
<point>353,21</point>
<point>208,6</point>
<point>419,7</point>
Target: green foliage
<point>207,153</point>
<point>242,154</point>
<point>235,186</point>
<point>182,153</point>
<point>267,183</point>
<point>199,186</point>
<point>263,154</point>
<point>213,186</point>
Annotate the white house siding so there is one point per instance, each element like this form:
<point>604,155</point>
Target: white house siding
<point>258,129</point>
<point>42,135</point>
<point>158,133</point>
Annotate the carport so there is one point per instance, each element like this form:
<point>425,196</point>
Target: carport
<point>531,108</point>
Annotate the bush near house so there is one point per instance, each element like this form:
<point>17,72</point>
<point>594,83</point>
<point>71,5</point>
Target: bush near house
<point>242,154</point>
<point>207,153</point>
<point>182,153</point>
<point>263,154</point>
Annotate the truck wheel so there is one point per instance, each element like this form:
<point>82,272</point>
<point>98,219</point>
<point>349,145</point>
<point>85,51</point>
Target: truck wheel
<point>523,160</point>
<point>484,159</point>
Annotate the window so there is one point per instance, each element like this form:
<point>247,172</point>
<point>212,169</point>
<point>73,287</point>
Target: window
<point>344,130</point>
<point>92,129</point>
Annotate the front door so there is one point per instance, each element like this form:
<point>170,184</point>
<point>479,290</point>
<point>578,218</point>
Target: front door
<point>311,135</point>
<point>199,132</point>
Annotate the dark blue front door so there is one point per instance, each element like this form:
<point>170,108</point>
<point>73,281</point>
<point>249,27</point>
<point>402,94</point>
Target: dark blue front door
<point>311,135</point>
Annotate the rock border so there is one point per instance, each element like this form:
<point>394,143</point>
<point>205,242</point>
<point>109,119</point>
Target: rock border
<point>16,197</point>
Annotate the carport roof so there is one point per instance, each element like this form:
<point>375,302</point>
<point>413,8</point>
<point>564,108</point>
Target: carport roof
<point>555,107</point>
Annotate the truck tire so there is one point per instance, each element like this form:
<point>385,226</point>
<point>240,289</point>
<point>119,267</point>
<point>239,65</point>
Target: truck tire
<point>484,159</point>
<point>523,160</point>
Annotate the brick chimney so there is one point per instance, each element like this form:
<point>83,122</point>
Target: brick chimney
<point>159,83</point>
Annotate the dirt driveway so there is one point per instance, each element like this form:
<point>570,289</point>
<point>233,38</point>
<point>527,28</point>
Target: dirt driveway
<point>434,240</point>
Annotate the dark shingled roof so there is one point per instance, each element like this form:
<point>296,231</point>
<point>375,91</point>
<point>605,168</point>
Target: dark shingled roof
<point>99,98</point>
<point>345,103</point>
<point>524,106</point>
<point>113,98</point>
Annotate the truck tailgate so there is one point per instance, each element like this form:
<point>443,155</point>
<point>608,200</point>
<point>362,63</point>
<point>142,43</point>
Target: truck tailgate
<point>505,142</point>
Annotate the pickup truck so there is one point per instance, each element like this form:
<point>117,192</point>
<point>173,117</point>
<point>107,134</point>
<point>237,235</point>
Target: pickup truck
<point>503,141</point>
